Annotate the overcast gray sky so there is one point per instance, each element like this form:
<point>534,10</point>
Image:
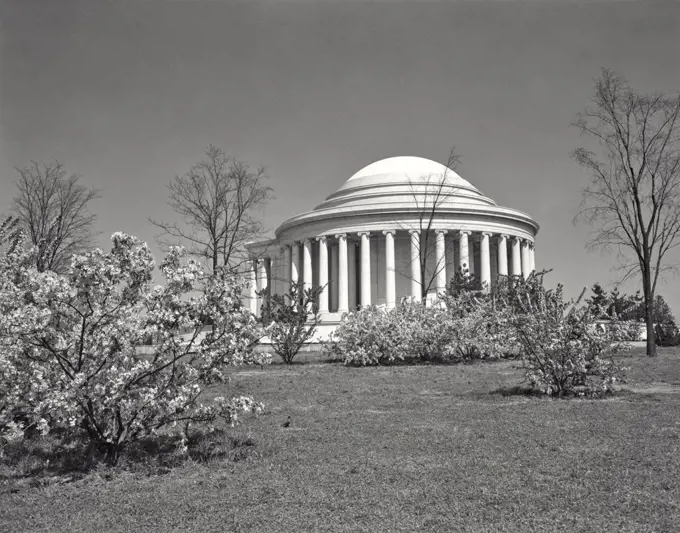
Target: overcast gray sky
<point>130,93</point>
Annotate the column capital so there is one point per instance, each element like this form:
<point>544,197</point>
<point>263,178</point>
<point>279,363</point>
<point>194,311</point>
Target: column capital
<point>413,231</point>
<point>307,240</point>
<point>504,236</point>
<point>321,238</point>
<point>487,234</point>
<point>389,231</point>
<point>464,232</point>
<point>442,231</point>
<point>362,233</point>
<point>340,235</point>
<point>516,238</point>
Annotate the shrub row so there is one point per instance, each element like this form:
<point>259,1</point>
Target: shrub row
<point>444,332</point>
<point>562,350</point>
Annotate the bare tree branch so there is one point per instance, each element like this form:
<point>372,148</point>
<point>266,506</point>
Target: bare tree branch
<point>53,209</point>
<point>218,200</point>
<point>633,199</point>
<point>428,197</point>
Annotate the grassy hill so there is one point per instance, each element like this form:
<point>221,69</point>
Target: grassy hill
<point>405,448</point>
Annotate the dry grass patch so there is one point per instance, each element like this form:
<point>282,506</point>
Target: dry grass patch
<point>422,448</point>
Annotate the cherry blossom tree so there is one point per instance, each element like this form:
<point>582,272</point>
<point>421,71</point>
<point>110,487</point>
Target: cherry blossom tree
<point>69,345</point>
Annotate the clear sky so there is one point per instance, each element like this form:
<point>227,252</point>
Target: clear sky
<point>130,93</point>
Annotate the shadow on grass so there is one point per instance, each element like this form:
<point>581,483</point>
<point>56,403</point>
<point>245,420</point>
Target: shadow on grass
<point>418,361</point>
<point>517,390</point>
<point>277,361</point>
<point>579,392</point>
<point>326,358</point>
<point>64,457</point>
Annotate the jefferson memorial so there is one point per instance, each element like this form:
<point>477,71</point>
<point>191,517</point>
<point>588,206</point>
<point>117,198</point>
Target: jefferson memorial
<point>363,243</point>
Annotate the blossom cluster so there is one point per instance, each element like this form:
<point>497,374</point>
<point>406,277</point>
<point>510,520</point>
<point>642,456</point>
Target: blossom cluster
<point>453,329</point>
<point>562,350</point>
<point>69,345</point>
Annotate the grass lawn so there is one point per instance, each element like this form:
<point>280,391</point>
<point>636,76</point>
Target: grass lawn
<point>407,448</point>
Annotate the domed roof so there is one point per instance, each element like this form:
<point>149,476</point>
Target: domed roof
<point>404,181</point>
<point>396,169</point>
<point>394,192</point>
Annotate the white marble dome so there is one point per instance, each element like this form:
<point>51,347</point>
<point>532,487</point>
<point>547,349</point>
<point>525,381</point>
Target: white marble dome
<point>406,167</point>
<point>391,193</point>
<point>406,183</point>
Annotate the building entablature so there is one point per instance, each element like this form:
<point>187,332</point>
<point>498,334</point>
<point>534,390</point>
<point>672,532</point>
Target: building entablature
<point>498,220</point>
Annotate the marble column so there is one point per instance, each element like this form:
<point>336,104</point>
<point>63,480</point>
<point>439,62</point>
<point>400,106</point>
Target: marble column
<point>516,257</point>
<point>471,255</point>
<point>271,265</point>
<point>485,262</point>
<point>294,263</point>
<point>343,306</point>
<point>307,273</point>
<point>416,291</point>
<point>532,256</point>
<point>352,274</point>
<point>262,283</point>
<point>287,267</point>
<point>365,268</point>
<point>323,274</point>
<point>464,250</point>
<point>333,259</point>
<point>440,260</point>
<point>503,255</point>
<point>252,292</point>
<point>526,267</point>
<point>390,270</point>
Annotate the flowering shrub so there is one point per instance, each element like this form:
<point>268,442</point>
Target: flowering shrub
<point>562,352</point>
<point>68,356</point>
<point>427,332</point>
<point>624,330</point>
<point>460,327</point>
<point>518,294</point>
<point>457,328</point>
<point>479,328</point>
<point>292,320</point>
<point>369,336</point>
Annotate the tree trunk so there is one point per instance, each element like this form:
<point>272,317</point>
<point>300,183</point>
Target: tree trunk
<point>649,313</point>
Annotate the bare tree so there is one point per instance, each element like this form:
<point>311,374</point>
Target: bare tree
<point>53,209</point>
<point>633,199</point>
<point>218,199</point>
<point>11,235</point>
<point>428,196</point>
